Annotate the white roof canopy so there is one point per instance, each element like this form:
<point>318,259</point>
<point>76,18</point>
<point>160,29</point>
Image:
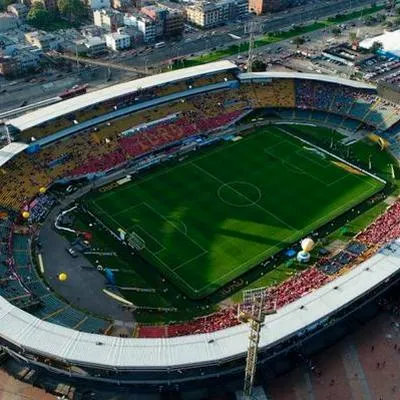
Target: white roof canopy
<point>390,42</point>
<point>55,341</point>
<point>53,111</point>
<point>11,150</point>
<point>301,75</point>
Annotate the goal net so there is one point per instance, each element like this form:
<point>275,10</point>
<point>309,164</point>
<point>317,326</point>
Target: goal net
<point>135,241</point>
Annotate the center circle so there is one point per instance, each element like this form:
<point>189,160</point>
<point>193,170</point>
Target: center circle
<point>239,194</point>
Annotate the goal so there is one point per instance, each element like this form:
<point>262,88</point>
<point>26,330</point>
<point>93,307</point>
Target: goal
<point>135,241</point>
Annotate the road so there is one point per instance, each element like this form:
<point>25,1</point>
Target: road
<point>281,21</point>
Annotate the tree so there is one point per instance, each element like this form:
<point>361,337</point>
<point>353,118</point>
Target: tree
<point>336,31</point>
<point>259,66</point>
<point>396,21</point>
<point>376,46</point>
<point>298,41</point>
<point>4,4</point>
<point>72,9</point>
<point>352,37</point>
<point>38,16</point>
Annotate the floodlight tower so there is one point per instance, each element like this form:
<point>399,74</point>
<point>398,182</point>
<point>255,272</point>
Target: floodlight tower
<point>254,315</point>
<point>7,133</point>
<point>391,6</point>
<point>251,28</point>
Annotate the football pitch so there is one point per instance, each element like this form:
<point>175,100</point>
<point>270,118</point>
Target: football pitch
<point>212,217</point>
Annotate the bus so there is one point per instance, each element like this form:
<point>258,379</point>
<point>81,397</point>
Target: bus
<point>236,37</point>
<point>159,45</point>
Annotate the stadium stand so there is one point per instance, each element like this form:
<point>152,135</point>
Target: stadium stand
<point>121,140</point>
<point>384,229</point>
<point>279,296</point>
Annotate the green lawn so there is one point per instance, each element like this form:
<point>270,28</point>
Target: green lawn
<point>209,219</point>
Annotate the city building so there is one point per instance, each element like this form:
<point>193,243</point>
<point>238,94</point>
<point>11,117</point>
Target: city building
<point>174,24</point>
<point>95,45</point>
<point>208,14</point>
<point>168,22</point>
<point>98,4</point>
<point>8,21</point>
<point>135,35</point>
<point>42,40</point>
<point>18,9</point>
<point>118,41</point>
<point>8,66</point>
<point>108,19</point>
<point>204,14</point>
<point>17,60</point>
<point>121,4</point>
<point>262,6</point>
<point>143,24</point>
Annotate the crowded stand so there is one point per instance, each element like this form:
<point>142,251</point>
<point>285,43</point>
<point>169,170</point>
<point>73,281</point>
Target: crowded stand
<point>384,229</point>
<point>137,96</point>
<point>288,291</point>
<point>360,104</point>
<point>275,93</point>
<point>40,207</point>
<point>104,148</point>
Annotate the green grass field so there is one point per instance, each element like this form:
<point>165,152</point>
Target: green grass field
<point>212,217</point>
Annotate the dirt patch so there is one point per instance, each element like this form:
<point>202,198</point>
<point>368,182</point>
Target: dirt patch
<point>348,168</point>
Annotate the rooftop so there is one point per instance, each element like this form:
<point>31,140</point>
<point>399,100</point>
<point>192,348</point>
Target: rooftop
<point>28,332</point>
<point>389,40</point>
<point>10,151</point>
<point>300,75</point>
<point>53,111</point>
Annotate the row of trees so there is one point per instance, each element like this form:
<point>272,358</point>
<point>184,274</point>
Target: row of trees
<point>40,17</point>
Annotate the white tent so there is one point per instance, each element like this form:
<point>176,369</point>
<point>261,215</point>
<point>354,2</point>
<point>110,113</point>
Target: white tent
<point>389,40</point>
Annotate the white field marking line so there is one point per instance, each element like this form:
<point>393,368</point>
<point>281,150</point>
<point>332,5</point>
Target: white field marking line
<point>127,209</point>
<point>369,183</point>
<point>190,260</point>
<point>99,208</point>
<point>315,225</point>
<point>339,179</point>
<point>175,226</point>
<point>336,180</point>
<point>244,196</point>
<point>273,146</point>
<point>167,169</point>
<point>301,170</point>
<point>154,255</point>
<point>151,236</point>
<point>177,222</point>
<point>302,153</point>
<point>236,205</point>
<point>172,271</point>
<point>111,217</point>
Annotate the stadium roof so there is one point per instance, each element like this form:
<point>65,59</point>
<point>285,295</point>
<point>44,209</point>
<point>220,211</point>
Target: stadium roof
<point>40,337</point>
<point>390,42</point>
<point>300,75</point>
<point>53,111</point>
<point>10,151</point>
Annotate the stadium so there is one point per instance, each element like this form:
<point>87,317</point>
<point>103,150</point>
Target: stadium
<point>179,191</point>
